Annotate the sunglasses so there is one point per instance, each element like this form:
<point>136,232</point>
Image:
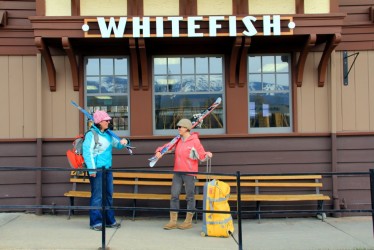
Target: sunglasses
<point>180,127</point>
<point>108,121</point>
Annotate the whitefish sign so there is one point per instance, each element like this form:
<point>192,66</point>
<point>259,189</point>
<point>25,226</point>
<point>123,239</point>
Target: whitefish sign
<point>192,26</point>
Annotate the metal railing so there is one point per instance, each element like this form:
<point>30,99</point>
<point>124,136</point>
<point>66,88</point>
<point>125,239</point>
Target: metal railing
<point>238,211</point>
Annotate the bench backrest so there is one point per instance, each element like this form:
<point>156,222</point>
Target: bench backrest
<point>161,179</point>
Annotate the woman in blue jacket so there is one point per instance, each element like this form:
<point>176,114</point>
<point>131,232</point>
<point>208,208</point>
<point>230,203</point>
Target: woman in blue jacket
<point>98,154</point>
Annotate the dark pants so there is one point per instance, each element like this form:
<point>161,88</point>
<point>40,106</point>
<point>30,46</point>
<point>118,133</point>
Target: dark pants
<point>176,188</point>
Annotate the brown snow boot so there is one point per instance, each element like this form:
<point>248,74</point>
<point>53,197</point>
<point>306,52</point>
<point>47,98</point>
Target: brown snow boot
<point>173,221</point>
<point>187,222</point>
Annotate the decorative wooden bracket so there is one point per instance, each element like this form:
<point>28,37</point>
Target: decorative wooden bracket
<point>244,62</point>
<point>322,67</point>
<point>3,18</point>
<point>73,62</point>
<point>134,64</point>
<point>46,54</point>
<point>234,60</point>
<point>143,63</point>
<point>302,58</point>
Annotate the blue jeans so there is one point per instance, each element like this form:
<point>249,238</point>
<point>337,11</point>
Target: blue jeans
<point>96,199</point>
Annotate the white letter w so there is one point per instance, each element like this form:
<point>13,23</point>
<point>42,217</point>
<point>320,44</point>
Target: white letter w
<point>106,31</point>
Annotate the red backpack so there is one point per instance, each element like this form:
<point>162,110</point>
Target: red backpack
<point>75,155</point>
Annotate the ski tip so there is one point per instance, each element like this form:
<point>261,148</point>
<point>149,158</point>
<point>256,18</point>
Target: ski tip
<point>152,158</point>
<point>153,161</point>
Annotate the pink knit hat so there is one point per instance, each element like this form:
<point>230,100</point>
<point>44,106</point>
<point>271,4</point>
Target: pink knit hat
<point>100,116</point>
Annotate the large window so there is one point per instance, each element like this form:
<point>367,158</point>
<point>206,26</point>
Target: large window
<point>269,93</point>
<point>184,87</point>
<point>107,87</point>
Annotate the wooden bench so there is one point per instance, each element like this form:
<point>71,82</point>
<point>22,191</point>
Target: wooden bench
<point>284,188</point>
<point>134,180</point>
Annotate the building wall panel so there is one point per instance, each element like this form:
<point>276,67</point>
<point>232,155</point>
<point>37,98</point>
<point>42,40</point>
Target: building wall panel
<point>4,96</point>
<point>58,7</point>
<point>306,95</point>
<point>354,105</point>
<point>348,102</point>
<point>339,90</point>
<point>221,7</point>
<point>16,38</point>
<point>17,149</point>
<point>16,102</point>
<point>362,89</point>
<point>316,6</point>
<point>321,100</point>
<point>72,117</point>
<point>18,191</point>
<point>46,104</point>
<point>161,8</point>
<point>370,67</point>
<point>103,8</point>
<point>276,7</point>
<point>357,25</point>
<point>273,155</point>
<point>18,95</point>
<point>60,118</point>
<point>30,96</point>
<point>17,5</point>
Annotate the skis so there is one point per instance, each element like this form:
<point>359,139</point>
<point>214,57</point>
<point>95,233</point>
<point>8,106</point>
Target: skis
<point>200,117</point>
<point>110,132</point>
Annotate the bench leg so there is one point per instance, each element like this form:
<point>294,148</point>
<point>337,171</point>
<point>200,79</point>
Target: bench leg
<point>71,211</point>
<point>258,209</point>
<point>320,215</point>
<point>196,203</point>
<point>133,209</point>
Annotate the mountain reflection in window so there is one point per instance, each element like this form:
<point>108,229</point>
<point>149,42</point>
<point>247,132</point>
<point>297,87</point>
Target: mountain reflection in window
<point>269,92</point>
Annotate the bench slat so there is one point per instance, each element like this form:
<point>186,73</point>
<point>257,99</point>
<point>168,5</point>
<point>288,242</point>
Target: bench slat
<point>233,197</point>
<point>200,184</point>
<point>142,175</point>
<point>276,197</point>
<point>270,177</point>
<point>268,184</point>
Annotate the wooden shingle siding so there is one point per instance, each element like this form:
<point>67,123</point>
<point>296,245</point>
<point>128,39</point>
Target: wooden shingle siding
<point>355,107</point>
<point>18,96</point>
<point>251,155</point>
<point>17,37</point>
<point>358,29</point>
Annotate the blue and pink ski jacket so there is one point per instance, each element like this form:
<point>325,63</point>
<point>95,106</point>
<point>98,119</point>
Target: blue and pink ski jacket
<point>99,155</point>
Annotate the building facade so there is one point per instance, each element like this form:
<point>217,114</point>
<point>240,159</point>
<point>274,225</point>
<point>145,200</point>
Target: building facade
<point>295,76</point>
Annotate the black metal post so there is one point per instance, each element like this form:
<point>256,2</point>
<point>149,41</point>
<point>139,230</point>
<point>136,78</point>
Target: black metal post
<point>239,210</point>
<point>372,196</point>
<point>103,208</point>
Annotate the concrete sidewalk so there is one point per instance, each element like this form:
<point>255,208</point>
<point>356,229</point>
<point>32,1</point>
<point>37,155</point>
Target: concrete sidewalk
<point>28,231</point>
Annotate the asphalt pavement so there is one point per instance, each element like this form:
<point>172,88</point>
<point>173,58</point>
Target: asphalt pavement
<point>29,231</point>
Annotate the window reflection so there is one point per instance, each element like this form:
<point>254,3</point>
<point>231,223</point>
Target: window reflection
<point>107,89</point>
<point>269,93</point>
<point>190,85</point>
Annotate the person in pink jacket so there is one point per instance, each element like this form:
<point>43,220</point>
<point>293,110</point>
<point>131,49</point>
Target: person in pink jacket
<point>188,152</point>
